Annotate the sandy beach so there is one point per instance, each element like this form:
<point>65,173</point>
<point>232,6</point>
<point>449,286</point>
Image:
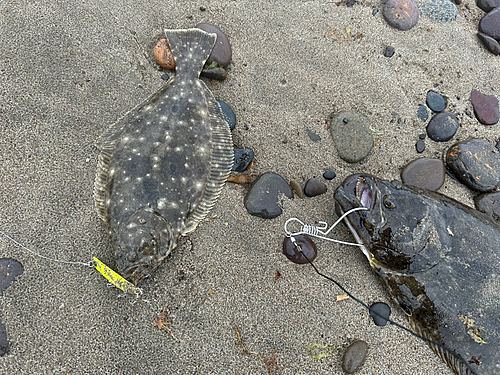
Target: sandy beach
<point>68,70</point>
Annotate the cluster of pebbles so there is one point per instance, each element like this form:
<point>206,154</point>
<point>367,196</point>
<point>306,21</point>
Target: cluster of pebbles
<point>404,14</point>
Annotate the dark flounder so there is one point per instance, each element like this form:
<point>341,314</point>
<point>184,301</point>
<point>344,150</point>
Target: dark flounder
<point>439,259</point>
<point>163,165</point>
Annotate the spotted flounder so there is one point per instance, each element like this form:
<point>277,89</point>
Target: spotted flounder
<point>440,261</point>
<point>163,165</point>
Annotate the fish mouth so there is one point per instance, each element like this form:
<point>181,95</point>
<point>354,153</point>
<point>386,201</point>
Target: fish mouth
<point>137,272</point>
<point>356,191</point>
<point>364,193</point>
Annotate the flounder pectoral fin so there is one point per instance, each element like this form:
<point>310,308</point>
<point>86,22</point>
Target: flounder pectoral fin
<point>221,162</point>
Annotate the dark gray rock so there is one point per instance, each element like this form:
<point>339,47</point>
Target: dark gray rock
<point>227,113</point>
<point>425,173</point>
<point>329,175</point>
<point>485,107</point>
<point>243,158</point>
<point>422,113</point>
<point>4,341</point>
<point>476,163</point>
<point>222,53</point>
<point>487,5</point>
<point>220,74</point>
<point>439,10</point>
<point>384,312</point>
<point>263,197</point>
<point>313,136</point>
<point>9,270</point>
<point>420,146</point>
<point>435,101</point>
<point>489,203</point>
<point>354,356</point>
<point>314,187</point>
<point>401,14</point>
<point>490,24</point>
<point>389,51</point>
<point>442,127</point>
<point>352,135</point>
<point>491,44</point>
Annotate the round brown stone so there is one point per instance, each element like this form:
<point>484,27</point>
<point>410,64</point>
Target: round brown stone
<point>425,173</point>
<point>163,55</point>
<point>401,14</point>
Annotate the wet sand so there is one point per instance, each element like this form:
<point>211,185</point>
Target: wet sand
<point>69,71</point>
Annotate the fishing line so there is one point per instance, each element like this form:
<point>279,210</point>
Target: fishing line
<point>308,229</point>
<point>113,277</point>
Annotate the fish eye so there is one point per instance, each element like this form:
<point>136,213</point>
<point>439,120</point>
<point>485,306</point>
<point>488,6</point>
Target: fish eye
<point>389,203</point>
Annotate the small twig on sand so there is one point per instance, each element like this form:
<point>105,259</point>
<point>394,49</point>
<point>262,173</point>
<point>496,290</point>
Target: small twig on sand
<point>271,363</point>
<point>161,323</point>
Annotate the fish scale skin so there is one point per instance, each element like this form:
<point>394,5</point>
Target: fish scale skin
<point>440,261</point>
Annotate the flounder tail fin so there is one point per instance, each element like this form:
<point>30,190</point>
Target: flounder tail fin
<point>191,49</point>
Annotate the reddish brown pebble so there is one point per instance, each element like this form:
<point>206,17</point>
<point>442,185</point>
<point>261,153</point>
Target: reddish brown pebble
<point>401,14</point>
<point>485,107</point>
<point>306,244</point>
<point>163,55</point>
<point>425,173</point>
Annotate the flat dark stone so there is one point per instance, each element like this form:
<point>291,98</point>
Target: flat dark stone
<point>4,342</point>
<point>313,136</point>
<point>422,113</point>
<point>400,14</point>
<point>389,51</point>
<point>329,175</point>
<point>487,5</point>
<point>491,44</point>
<point>442,127</point>
<point>227,113</point>
<point>425,173</point>
<point>489,203</point>
<point>354,356</point>
<point>352,135</point>
<point>383,310</point>
<point>485,107</point>
<point>314,187</point>
<point>420,146</point>
<point>222,52</point>
<point>422,136</point>
<point>243,158</point>
<point>435,101</point>
<point>476,163</point>
<point>307,246</point>
<point>220,74</point>
<point>263,197</point>
<point>490,24</point>
<point>9,270</point>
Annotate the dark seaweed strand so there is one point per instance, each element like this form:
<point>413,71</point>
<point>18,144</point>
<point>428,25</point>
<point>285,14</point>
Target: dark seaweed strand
<point>440,346</point>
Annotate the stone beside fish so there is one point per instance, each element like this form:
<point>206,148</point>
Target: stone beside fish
<point>439,260</point>
<point>163,165</point>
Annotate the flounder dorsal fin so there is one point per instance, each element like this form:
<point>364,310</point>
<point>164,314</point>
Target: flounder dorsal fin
<point>453,361</point>
<point>222,155</point>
